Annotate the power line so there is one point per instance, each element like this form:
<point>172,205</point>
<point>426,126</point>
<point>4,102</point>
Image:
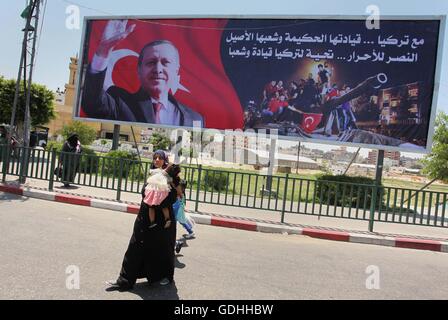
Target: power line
<point>85,7</point>
<point>202,28</point>
<point>40,32</point>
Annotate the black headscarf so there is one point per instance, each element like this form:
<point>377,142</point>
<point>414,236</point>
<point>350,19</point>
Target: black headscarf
<point>73,139</point>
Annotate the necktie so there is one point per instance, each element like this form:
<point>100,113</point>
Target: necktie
<point>157,106</point>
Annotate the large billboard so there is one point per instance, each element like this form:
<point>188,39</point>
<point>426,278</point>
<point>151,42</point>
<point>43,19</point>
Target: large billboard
<point>310,79</point>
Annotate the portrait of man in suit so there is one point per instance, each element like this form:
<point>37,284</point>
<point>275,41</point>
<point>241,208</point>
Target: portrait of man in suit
<point>158,72</point>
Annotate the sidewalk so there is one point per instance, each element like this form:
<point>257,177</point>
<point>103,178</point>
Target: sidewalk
<point>388,234</point>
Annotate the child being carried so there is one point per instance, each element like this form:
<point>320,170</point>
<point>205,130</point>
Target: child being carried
<point>159,185</point>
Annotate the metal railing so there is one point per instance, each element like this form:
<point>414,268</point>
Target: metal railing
<point>287,195</point>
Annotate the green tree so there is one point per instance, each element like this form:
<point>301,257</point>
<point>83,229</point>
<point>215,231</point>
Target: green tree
<point>41,103</point>
<point>86,134</point>
<point>159,141</point>
<point>111,162</point>
<point>215,181</point>
<point>436,163</point>
<point>417,165</point>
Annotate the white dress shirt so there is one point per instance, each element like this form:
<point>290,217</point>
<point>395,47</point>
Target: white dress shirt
<point>169,114</point>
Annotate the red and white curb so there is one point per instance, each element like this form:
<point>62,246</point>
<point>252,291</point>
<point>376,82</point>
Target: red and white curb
<point>398,242</point>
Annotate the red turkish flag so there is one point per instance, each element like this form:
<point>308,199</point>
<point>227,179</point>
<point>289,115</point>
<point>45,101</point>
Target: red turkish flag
<point>210,92</point>
<point>310,121</point>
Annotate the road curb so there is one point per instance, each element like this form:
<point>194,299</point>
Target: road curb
<point>104,204</point>
<point>13,190</point>
<point>398,242</point>
<point>43,195</point>
<point>81,201</point>
<point>444,247</point>
<point>201,219</point>
<point>418,244</point>
<point>234,223</point>
<point>371,239</point>
<point>327,235</point>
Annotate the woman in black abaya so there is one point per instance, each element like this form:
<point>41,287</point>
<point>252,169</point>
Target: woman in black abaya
<point>150,253</point>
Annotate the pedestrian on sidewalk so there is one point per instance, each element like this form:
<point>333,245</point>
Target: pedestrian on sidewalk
<point>182,217</point>
<point>69,159</point>
<point>150,253</point>
<point>3,136</point>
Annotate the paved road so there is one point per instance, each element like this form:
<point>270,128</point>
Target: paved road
<point>40,239</point>
<point>347,225</point>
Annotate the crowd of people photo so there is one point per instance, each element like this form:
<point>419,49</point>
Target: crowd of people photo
<point>286,104</point>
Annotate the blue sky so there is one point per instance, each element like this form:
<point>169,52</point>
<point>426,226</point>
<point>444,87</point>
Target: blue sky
<point>57,43</point>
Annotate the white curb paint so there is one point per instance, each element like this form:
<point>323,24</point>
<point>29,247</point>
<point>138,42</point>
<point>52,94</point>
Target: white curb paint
<point>103,204</point>
<point>269,228</point>
<point>444,247</point>
<point>44,195</point>
<point>201,219</point>
<point>366,239</point>
<point>372,239</point>
<point>292,230</point>
<point>386,241</point>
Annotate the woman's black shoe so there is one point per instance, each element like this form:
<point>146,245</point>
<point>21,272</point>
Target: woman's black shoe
<point>179,245</point>
<point>114,285</point>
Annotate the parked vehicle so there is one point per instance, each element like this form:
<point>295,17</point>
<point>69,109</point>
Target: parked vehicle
<point>39,137</point>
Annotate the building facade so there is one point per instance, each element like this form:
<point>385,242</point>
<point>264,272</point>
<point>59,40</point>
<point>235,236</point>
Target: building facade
<point>65,102</point>
<point>392,156</point>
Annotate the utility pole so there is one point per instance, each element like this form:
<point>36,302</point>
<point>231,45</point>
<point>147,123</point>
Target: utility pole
<point>33,37</point>
<point>31,14</point>
<point>29,34</point>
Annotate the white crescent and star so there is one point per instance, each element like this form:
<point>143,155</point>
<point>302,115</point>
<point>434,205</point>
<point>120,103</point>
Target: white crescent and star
<point>308,123</point>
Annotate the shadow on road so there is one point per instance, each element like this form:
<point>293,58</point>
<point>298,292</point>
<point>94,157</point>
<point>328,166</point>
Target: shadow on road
<point>177,263</point>
<point>153,291</point>
<point>11,197</point>
<point>71,187</point>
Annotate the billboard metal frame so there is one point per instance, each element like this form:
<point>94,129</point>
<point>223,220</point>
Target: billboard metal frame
<point>435,93</point>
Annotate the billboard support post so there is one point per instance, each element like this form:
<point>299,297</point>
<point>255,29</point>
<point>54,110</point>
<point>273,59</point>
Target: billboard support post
<point>116,137</point>
<point>373,207</point>
<point>378,178</point>
<point>271,165</point>
<point>196,205</point>
<point>298,158</point>
<point>379,167</point>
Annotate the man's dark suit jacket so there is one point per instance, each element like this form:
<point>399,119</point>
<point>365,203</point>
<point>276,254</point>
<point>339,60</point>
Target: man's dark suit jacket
<point>118,104</point>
